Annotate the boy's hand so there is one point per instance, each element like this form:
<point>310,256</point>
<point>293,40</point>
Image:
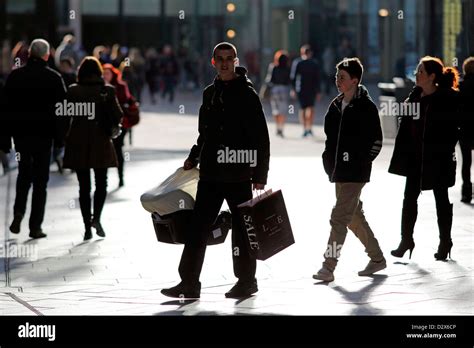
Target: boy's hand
<point>258,186</point>
<point>188,164</point>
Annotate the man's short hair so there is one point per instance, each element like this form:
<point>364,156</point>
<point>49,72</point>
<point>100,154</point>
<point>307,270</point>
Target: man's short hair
<point>353,66</point>
<point>468,66</point>
<point>39,48</point>
<point>305,49</point>
<point>224,46</point>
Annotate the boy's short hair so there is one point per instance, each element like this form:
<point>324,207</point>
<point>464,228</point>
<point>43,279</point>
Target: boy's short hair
<point>353,66</point>
<point>224,46</point>
<point>468,66</point>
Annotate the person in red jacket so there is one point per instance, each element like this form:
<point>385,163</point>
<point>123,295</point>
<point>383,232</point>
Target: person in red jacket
<point>113,76</point>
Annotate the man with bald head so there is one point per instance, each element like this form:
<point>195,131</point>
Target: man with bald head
<point>32,92</point>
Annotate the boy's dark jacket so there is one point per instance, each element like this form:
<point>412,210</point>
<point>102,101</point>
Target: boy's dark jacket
<point>231,116</point>
<point>354,138</point>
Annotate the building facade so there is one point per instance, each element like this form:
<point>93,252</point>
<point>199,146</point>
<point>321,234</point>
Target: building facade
<point>385,34</point>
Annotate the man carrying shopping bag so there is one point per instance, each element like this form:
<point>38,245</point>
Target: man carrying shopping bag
<point>233,150</point>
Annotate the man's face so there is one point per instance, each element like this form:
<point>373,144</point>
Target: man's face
<point>225,63</point>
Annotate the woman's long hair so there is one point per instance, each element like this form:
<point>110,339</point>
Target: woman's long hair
<point>446,77</point>
<point>89,67</point>
<point>116,74</point>
<point>281,58</point>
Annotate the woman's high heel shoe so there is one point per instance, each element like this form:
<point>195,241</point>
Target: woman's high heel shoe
<point>87,234</point>
<point>444,249</point>
<point>403,247</point>
<point>99,230</point>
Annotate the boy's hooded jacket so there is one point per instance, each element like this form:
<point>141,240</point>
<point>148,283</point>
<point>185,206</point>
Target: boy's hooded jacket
<point>231,117</point>
<point>354,138</point>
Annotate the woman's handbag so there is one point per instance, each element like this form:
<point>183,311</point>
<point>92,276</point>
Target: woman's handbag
<point>106,120</point>
<point>131,113</point>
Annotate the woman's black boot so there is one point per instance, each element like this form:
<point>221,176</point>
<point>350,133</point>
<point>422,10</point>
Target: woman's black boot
<point>445,222</point>
<point>409,215</point>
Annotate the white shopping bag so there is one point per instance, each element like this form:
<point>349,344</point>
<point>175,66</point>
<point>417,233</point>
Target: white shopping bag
<point>177,192</point>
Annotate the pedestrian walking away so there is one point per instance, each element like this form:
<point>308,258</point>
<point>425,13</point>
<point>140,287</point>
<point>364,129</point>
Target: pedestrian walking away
<point>278,80</point>
<point>32,92</point>
<point>113,77</point>
<point>88,142</point>
<point>306,79</point>
<point>354,140</point>
<point>231,118</point>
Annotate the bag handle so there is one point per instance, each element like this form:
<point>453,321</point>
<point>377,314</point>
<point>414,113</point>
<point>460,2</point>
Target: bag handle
<point>263,195</point>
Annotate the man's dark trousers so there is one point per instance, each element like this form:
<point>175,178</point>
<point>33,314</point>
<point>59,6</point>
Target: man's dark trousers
<point>33,168</point>
<point>209,198</point>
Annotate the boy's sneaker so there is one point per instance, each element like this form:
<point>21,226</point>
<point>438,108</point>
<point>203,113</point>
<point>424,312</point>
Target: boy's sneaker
<point>373,267</point>
<point>324,274</point>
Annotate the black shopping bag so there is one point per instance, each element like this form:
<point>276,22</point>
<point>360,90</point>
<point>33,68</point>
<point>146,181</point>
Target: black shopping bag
<point>267,224</point>
<point>173,228</point>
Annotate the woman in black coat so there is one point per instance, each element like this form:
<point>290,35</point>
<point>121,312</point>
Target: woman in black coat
<point>88,144</point>
<point>425,151</point>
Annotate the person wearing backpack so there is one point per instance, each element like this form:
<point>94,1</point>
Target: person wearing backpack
<point>88,143</point>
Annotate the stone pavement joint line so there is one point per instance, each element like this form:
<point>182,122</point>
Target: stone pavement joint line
<point>24,303</point>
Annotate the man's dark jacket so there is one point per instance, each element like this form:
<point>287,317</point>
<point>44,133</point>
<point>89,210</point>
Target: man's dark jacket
<point>354,138</point>
<point>31,94</point>
<point>231,116</point>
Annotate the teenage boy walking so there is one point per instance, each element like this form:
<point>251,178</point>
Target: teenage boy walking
<point>354,140</point>
<point>230,119</point>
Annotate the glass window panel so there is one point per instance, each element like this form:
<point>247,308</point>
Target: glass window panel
<point>20,6</point>
<point>100,7</point>
<point>142,7</point>
<point>174,6</point>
